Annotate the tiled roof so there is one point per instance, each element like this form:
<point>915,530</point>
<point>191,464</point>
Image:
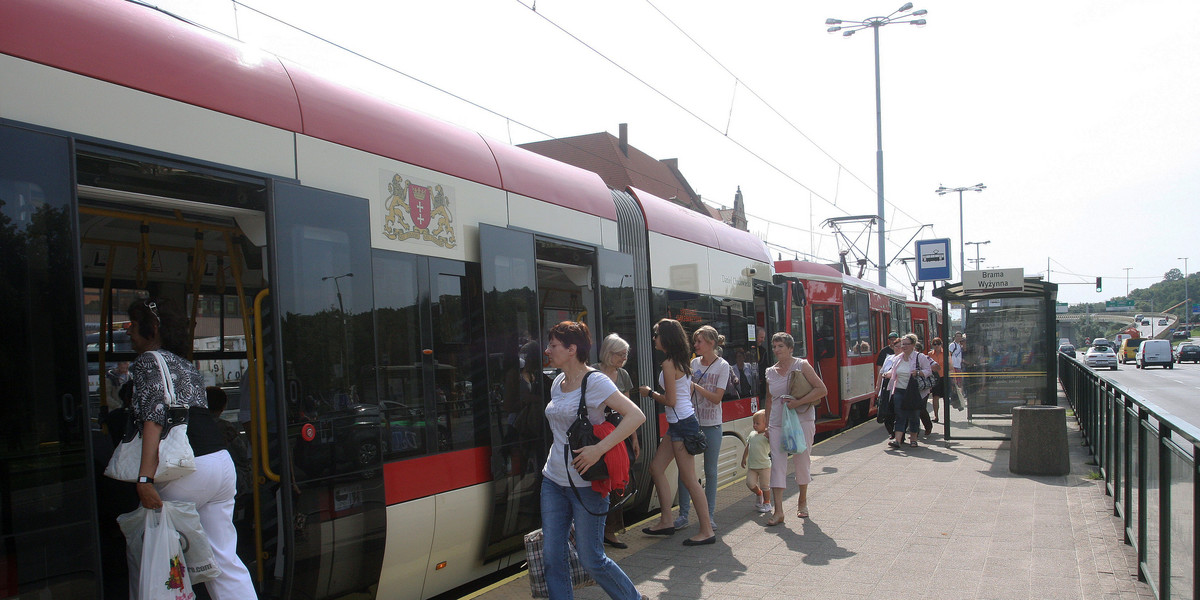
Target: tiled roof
<point>601,154</point>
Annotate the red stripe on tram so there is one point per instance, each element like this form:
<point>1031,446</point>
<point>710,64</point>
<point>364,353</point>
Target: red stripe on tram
<point>420,477</point>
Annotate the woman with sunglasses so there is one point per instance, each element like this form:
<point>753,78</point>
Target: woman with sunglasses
<point>155,326</point>
<point>778,400</point>
<point>676,383</point>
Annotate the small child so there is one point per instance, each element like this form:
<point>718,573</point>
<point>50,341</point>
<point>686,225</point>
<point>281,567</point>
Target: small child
<point>758,451</point>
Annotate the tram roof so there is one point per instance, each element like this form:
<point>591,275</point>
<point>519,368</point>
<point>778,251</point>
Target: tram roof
<point>804,269</point>
<point>669,218</point>
<point>141,48</point>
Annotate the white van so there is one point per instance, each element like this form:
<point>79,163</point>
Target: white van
<point>1154,352</point>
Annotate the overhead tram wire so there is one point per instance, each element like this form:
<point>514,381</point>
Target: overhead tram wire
<point>680,106</point>
<point>742,82</point>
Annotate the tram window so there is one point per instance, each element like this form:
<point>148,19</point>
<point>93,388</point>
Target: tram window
<point>798,331</point>
<point>399,380</point>
<point>858,322</point>
<point>460,401</point>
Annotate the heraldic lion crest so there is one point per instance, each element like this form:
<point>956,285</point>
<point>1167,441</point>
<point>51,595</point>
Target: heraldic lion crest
<point>418,211</point>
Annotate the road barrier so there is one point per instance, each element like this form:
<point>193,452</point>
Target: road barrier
<point>1147,457</point>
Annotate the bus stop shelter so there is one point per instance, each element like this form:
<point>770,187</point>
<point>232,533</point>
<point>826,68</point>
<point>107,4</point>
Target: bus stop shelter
<point>1008,354</point>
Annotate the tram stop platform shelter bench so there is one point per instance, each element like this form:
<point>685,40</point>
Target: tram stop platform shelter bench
<point>1009,365</point>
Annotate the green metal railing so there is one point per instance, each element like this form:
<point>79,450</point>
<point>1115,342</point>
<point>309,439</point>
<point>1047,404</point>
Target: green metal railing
<point>1147,457</point>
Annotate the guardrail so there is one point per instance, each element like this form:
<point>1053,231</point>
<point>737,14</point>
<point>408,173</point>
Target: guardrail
<point>1147,457</point>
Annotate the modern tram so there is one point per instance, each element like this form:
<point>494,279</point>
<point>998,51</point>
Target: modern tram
<point>371,286</point>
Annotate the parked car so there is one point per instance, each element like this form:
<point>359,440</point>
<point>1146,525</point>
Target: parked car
<point>1067,349</point>
<point>1101,356</point>
<point>1154,352</point>
<point>1187,351</point>
<point>1128,349</point>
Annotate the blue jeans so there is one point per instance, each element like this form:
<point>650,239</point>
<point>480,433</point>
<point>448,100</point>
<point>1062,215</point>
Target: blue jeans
<point>712,453</point>
<point>559,508</point>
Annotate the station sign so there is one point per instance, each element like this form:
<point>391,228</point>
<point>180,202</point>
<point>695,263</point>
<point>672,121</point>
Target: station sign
<point>1060,308</point>
<point>933,259</point>
<point>994,280</point>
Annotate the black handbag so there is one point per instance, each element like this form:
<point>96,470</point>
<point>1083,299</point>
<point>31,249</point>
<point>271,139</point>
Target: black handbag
<point>695,443</point>
<point>911,398</point>
<point>581,434</point>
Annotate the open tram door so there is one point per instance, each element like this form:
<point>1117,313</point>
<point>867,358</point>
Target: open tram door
<point>770,315</point>
<point>530,283</point>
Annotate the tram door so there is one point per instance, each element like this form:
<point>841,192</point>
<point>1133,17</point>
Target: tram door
<point>48,538</point>
<point>826,320</point>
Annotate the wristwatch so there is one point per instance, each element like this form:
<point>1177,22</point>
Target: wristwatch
<point>144,479</point>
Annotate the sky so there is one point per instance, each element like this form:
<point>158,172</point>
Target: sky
<point>1082,118</point>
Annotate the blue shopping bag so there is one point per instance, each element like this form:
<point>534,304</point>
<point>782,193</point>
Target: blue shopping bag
<point>793,433</point>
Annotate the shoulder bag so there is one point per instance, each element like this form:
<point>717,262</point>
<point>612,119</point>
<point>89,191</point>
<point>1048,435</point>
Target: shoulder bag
<point>175,457</point>
<point>582,433</point>
<point>798,386</point>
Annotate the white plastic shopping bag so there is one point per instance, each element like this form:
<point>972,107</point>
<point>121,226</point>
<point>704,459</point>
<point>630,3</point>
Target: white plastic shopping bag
<point>160,574</point>
<point>197,552</point>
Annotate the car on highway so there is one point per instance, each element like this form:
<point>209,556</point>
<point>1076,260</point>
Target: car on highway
<point>1138,318</point>
<point>1146,322</point>
<point>1154,352</point>
<point>1162,321</point>
<point>1103,342</point>
<point>1101,356</point>
<point>1067,349</point>
<point>1181,334</point>
<point>1187,351</point>
<point>1128,349</point>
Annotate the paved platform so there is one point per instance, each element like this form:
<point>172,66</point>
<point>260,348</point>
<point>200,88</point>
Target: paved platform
<point>943,521</point>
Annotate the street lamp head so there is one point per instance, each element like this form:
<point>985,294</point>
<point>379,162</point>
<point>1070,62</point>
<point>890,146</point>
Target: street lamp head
<point>833,21</point>
<point>920,13</point>
<point>918,22</point>
<point>848,32</point>
<point>907,6</point>
<point>834,28</point>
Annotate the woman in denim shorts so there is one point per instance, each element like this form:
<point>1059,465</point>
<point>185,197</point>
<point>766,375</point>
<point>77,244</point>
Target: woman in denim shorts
<point>676,383</point>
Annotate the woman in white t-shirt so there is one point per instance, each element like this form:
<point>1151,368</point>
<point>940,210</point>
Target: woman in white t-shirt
<point>570,343</point>
<point>710,375</point>
<point>676,384</point>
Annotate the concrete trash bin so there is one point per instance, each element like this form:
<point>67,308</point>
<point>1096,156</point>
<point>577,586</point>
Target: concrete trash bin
<point>1039,441</point>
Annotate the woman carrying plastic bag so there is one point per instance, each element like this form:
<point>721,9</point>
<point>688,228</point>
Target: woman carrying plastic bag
<point>163,575</point>
<point>197,553</point>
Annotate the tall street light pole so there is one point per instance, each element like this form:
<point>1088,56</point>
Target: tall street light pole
<point>849,28</point>
<point>1127,270</point>
<point>977,245</point>
<point>942,191</point>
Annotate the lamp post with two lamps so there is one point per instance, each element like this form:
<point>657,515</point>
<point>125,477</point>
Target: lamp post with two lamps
<point>942,191</point>
<point>977,260</point>
<point>849,28</point>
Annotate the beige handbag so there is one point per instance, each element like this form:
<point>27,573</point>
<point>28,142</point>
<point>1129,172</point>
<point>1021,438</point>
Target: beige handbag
<point>799,387</point>
<point>175,457</point>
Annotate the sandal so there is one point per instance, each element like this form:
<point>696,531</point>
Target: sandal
<point>913,443</point>
<point>773,522</point>
<point>893,444</point>
<point>802,512</point>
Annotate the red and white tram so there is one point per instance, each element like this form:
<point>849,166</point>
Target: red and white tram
<point>380,279</point>
<point>840,323</point>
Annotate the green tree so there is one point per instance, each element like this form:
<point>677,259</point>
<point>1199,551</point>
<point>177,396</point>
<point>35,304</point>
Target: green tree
<point>1173,275</point>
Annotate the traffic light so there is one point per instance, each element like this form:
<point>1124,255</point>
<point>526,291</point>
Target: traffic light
<point>1097,284</point>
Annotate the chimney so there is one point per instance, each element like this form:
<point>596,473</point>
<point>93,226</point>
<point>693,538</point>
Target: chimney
<point>623,138</point>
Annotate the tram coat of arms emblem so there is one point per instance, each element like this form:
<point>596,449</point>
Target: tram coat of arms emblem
<point>415,210</point>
